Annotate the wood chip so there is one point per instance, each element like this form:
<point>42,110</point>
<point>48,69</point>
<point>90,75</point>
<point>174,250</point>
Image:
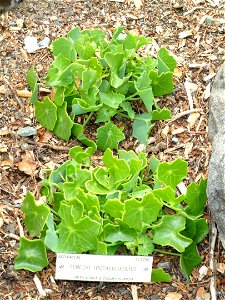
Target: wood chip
<point>196,65</point>
<point>185,34</point>
<point>134,292</point>
<point>39,286</point>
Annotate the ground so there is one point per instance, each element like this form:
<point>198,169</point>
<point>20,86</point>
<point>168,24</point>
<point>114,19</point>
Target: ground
<point>194,32</point>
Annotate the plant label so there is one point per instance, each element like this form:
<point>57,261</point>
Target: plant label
<point>106,268</point>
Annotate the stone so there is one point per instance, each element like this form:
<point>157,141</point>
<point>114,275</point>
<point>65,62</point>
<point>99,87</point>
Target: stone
<point>216,177</point>
<point>27,131</point>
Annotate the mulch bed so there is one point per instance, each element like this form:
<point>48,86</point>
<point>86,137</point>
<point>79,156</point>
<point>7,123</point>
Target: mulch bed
<point>194,32</point>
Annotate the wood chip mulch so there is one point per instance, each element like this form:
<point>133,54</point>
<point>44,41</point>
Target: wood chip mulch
<point>193,30</point>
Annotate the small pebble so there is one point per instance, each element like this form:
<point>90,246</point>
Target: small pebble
<point>209,21</point>
<point>175,140</point>
<point>164,265</point>
<point>27,131</point>
<point>140,148</point>
<point>154,297</point>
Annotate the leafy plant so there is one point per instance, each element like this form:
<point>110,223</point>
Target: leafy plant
<point>129,205</point>
<point>95,77</point>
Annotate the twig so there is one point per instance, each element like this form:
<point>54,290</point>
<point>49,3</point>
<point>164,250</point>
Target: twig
<point>13,91</point>
<point>54,147</point>
<point>188,91</point>
<point>184,113</point>
<point>39,286</point>
<point>213,235</point>
<point>20,227</point>
<point>134,292</point>
<point>6,191</point>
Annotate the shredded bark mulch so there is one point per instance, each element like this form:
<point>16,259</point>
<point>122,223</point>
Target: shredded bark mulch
<point>193,30</point>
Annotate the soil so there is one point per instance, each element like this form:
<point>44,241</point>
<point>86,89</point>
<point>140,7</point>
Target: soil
<point>193,30</point>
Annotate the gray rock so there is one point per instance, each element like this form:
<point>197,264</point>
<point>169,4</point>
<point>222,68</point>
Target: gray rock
<point>216,178</point>
<point>27,131</point>
<point>165,265</point>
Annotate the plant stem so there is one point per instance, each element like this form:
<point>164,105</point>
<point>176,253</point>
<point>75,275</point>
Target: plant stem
<point>55,213</point>
<point>167,252</point>
<point>131,96</point>
<point>122,115</point>
<point>88,119</point>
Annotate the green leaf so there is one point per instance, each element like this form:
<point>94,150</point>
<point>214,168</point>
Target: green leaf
<point>89,77</point>
<point>201,230</point>
<point>65,47</point>
<point>144,90</point>
<point>51,238</point>
<point>166,61</point>
<point>163,114</point>
<point>159,275</point>
<point>196,230</point>
<point>153,164</point>
<point>89,200</point>
<point>145,245</point>
<point>63,124</point>
<point>78,237</point>
<point>115,233</point>
<point>71,211</point>
<point>46,113</point>
<point>59,96</point>
<point>196,197</point>
<point>137,213</point>
<point>109,136</point>
<point>168,233</point>
<point>32,255</point>
<point>34,97</point>
<point>104,114</point>
<point>69,190</point>
<point>172,173</point>
<point>36,215</point>
<point>161,84</point>
<point>189,259</point>
<point>135,42</point>
<point>32,78</point>
<point>142,127</point>
<point>118,168</point>
<point>74,34</point>
<point>93,186</point>
<point>128,108</point>
<point>114,60</point>
<point>112,99</point>
<point>84,48</point>
<point>114,208</point>
<point>167,195</point>
<point>101,249</point>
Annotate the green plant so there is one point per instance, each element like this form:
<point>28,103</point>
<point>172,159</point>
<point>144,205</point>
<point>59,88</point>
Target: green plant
<point>129,205</point>
<point>95,77</point>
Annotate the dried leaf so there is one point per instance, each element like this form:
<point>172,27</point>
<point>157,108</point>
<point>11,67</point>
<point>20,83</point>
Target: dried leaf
<point>4,131</point>
<point>201,292</point>
<point>202,273</point>
<point>24,93</point>
<point>207,91</point>
<point>187,150</point>
<point>185,34</point>
<point>192,119</point>
<point>138,3</point>
<point>165,131</point>
<point>178,130</point>
<point>221,268</point>
<point>173,296</point>
<point>28,164</point>
<point>178,73</point>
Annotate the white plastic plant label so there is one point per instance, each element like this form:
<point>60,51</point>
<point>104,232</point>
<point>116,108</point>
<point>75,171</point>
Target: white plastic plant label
<point>106,268</point>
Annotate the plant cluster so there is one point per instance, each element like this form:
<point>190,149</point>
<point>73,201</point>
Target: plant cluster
<point>128,206</point>
<point>92,77</point>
